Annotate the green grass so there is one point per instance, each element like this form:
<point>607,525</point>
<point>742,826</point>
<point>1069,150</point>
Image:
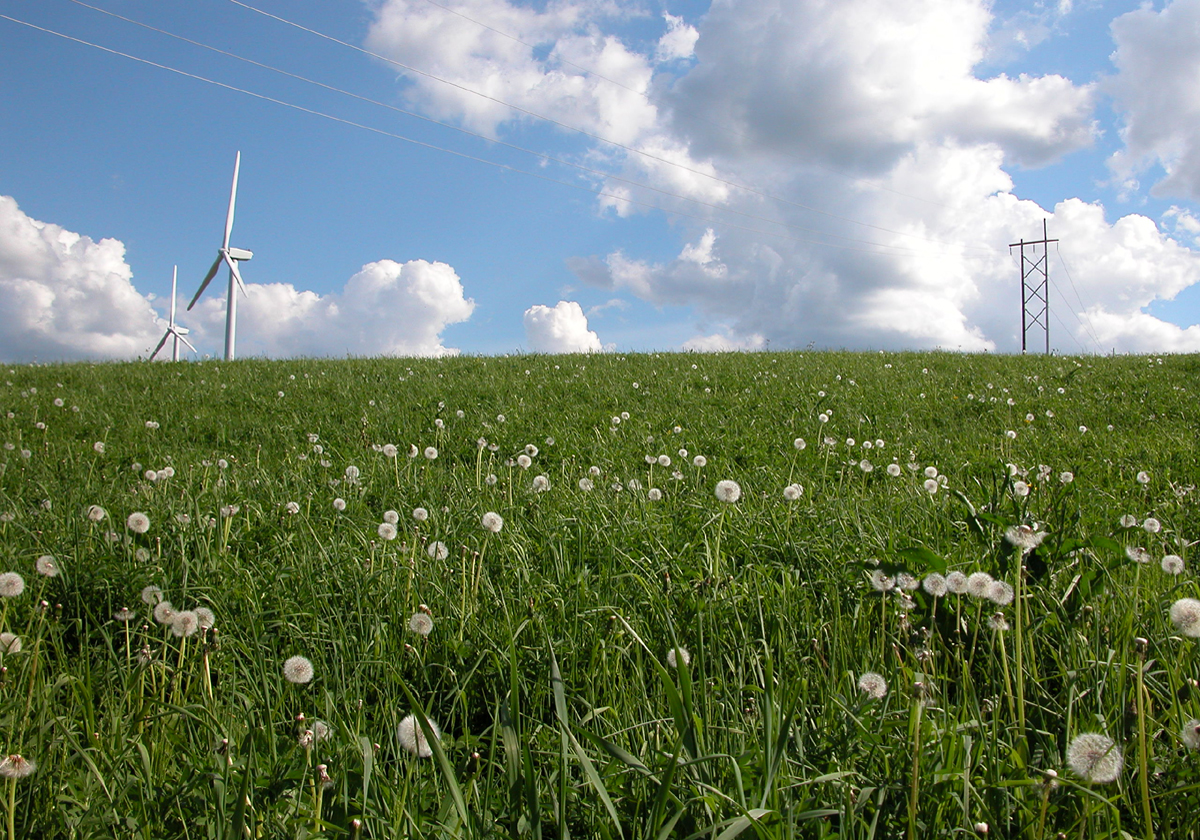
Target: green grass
<point>546,670</point>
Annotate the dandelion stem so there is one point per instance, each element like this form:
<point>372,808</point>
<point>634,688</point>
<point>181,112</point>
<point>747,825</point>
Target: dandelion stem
<point>12,808</point>
<point>918,705</point>
<point>1143,757</point>
<point>1019,631</point>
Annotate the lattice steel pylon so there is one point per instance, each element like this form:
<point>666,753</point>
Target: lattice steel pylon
<point>1035,287</point>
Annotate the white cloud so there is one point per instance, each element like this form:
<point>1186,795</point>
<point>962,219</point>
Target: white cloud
<point>386,309</point>
<point>723,343</point>
<point>679,41</point>
<point>562,328</point>
<point>64,296</point>
<point>857,83</point>
<point>1155,90</point>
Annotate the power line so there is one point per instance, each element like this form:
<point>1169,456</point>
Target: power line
<point>550,158</point>
<point>588,134</point>
<point>1082,308</point>
<point>434,147</point>
<point>694,115</point>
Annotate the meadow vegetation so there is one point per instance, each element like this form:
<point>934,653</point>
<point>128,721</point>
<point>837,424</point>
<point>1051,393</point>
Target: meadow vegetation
<point>769,595</point>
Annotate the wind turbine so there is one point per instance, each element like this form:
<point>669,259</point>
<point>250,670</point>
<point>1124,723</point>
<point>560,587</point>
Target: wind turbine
<point>173,329</point>
<point>231,257</point>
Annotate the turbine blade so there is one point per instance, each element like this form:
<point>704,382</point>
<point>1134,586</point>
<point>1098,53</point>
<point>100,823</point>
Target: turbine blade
<point>207,279</point>
<point>237,275</point>
<point>174,277</point>
<point>163,341</point>
<point>188,343</point>
<point>237,163</point>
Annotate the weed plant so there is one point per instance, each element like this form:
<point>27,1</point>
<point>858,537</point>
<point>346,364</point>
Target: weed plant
<point>952,597</point>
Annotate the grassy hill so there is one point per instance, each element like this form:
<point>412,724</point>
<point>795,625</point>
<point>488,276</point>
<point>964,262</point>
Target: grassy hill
<point>333,510</point>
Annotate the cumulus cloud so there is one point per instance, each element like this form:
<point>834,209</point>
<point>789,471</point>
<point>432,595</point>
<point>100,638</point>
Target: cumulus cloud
<point>1155,90</point>
<point>64,296</point>
<point>386,309</point>
<point>562,328</point>
<point>858,82</point>
<point>876,113</point>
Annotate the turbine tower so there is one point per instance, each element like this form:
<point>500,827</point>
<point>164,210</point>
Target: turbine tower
<point>231,257</point>
<point>173,329</point>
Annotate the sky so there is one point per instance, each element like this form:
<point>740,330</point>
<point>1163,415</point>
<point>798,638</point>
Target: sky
<point>430,177</point>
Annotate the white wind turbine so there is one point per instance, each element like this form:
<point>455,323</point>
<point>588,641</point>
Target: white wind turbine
<point>231,257</point>
<point>173,329</point>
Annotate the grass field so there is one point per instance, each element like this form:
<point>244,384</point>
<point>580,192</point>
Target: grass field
<point>838,680</point>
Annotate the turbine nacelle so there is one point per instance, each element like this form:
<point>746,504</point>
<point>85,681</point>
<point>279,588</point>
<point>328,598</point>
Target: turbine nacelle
<point>240,254</point>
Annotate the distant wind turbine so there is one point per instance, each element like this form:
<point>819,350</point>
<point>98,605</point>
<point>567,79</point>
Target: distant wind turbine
<point>231,257</point>
<point>173,329</point>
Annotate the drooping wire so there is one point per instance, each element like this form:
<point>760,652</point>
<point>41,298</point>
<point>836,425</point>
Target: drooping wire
<point>896,250</point>
<point>591,135</point>
<point>549,158</point>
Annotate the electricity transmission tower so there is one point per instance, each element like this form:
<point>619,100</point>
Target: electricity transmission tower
<point>1035,287</point>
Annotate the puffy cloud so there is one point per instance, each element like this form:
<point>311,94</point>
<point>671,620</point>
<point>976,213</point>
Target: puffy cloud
<point>679,41</point>
<point>859,82</point>
<point>721,343</point>
<point>562,328</point>
<point>386,309</point>
<point>1155,90</point>
<point>64,296</point>
<point>502,60</point>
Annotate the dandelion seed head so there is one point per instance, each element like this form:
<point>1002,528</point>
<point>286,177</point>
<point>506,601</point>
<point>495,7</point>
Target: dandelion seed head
<point>491,479</point>
<point>1129,521</point>
<point>151,595</point>
<point>205,618</point>
<point>699,461</point>
<point>906,581</point>
<point>420,623</point>
<point>1151,525</point>
<point>1024,537</point>
<point>541,483</point>
<point>11,585</point>
<point>386,531</point>
<point>10,643</point>
<point>47,565</point>
<point>931,486</point>
<point>492,521</point>
<point>799,443</point>
<point>793,492</point>
<point>935,584</point>
<point>1020,489</point>
<point>164,612</point>
<point>431,453</point>
<point>524,461</point>
<point>16,767</point>
<point>999,592</point>
<point>1137,554</point>
<point>893,470</point>
<point>1095,758</point>
<point>678,654</point>
<point>1185,615</point>
<point>664,460</point>
<point>1190,734</point>
<point>95,513</point>
<point>978,584</point>
<point>339,504</point>
<point>931,472</point>
<point>585,484</point>
<point>1143,477</point>
<point>593,471</point>
<point>881,581</point>
<point>412,737</point>
<point>185,623</point>
<point>297,670</point>
<point>654,494</point>
<point>873,685</point>
<point>1066,477</point>
<point>728,491</point>
<point>138,522</point>
<point>866,466</point>
<point>956,582</point>
<point>420,514</point>
<point>531,450</point>
<point>437,550</point>
<point>1172,564</point>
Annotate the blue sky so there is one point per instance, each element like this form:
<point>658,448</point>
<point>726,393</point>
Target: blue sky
<point>935,134</point>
